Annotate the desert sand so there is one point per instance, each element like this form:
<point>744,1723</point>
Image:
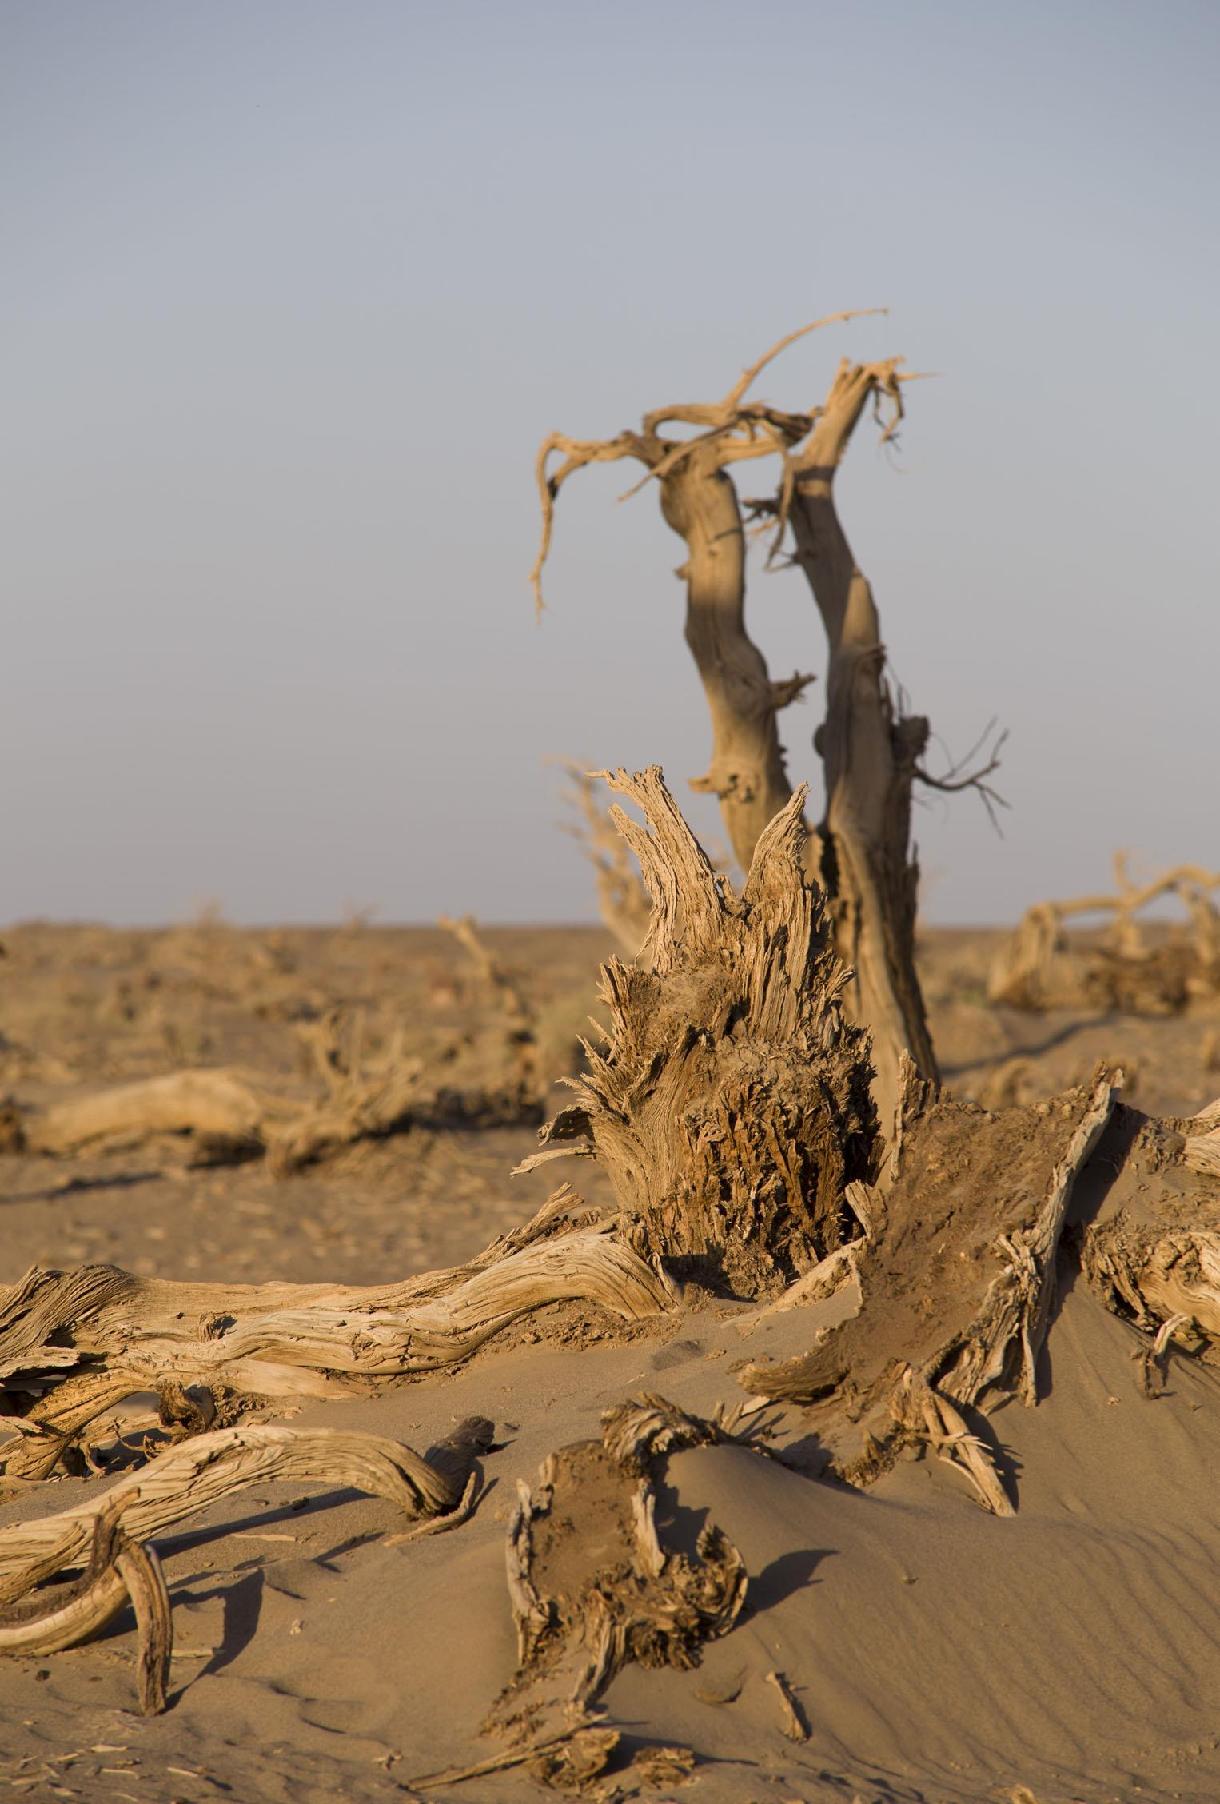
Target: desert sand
<point>925,1649</point>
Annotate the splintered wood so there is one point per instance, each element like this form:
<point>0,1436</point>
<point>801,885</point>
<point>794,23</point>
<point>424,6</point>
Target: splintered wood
<point>593,1587</point>
<point>956,1287</point>
<point>731,1106</point>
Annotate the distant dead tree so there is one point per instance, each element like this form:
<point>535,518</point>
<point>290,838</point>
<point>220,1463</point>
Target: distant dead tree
<point>1123,966</point>
<point>871,750</point>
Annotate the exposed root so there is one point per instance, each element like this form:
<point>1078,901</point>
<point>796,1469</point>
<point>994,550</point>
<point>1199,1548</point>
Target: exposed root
<point>74,1344</point>
<point>593,1588</point>
<point>111,1536</point>
<point>926,1414</point>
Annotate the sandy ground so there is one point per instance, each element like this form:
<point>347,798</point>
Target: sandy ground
<point>939,1654</point>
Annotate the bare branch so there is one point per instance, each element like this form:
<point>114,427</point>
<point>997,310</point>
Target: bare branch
<point>790,689</point>
<point>579,453</point>
<point>953,781</point>
<point>749,376</point>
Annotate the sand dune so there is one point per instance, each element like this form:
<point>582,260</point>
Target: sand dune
<point>937,1652</point>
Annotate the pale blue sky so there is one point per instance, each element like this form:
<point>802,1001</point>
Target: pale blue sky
<point>290,292</point>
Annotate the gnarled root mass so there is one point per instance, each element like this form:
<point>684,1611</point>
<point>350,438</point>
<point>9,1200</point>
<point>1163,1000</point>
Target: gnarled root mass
<point>731,1106</point>
<point>1125,967</point>
<point>956,1282</point>
<point>593,1588</point>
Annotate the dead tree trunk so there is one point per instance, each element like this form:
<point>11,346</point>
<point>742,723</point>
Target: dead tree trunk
<point>746,774</point>
<point>699,502</point>
<point>869,751</point>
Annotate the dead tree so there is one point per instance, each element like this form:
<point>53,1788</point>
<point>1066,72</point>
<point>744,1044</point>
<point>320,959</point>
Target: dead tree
<point>731,1111</point>
<point>870,751</point>
<point>1039,968</point>
<point>699,502</point>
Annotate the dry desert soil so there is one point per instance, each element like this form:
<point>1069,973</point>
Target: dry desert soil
<point>930,1652</point>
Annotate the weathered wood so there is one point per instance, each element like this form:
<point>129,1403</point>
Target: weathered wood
<point>699,503</point>
<point>227,1114</point>
<point>112,1534</point>
<point>861,852</point>
<point>73,1344</point>
<point>1153,1249</point>
<point>1125,968</point>
<point>731,1106</point>
<point>956,1286</point>
<point>593,1587</point>
<point>870,751</point>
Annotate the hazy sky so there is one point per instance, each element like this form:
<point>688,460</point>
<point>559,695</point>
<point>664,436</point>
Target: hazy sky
<point>290,291</point>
